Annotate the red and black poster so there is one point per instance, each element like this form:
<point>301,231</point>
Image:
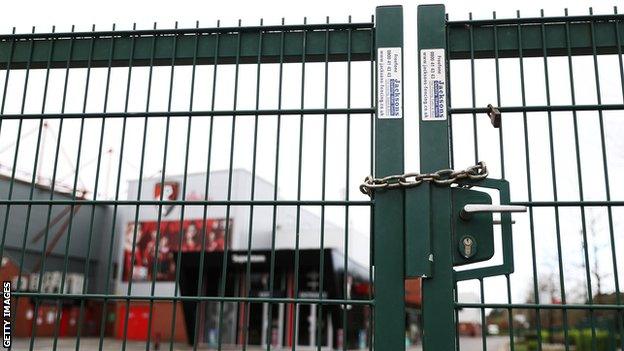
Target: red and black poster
<point>151,260</point>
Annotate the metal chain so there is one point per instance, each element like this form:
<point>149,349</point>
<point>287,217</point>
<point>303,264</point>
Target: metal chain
<point>410,180</point>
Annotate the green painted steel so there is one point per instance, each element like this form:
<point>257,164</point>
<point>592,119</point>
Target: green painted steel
<point>437,314</point>
<point>507,266</point>
<point>417,233</point>
<point>414,232</point>
<point>479,229</point>
<point>520,40</point>
<point>342,320</point>
<point>98,45</point>
<point>388,249</point>
<point>554,29</point>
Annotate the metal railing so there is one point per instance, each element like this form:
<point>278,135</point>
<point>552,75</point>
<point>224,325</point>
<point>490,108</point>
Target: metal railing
<point>527,151</point>
<point>98,65</point>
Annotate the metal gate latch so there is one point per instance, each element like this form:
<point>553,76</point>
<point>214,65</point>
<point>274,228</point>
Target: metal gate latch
<point>473,227</point>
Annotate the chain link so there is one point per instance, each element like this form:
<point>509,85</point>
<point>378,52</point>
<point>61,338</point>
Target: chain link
<point>410,180</point>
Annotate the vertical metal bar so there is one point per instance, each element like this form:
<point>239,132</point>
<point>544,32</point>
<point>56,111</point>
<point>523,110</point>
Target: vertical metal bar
<point>33,179</point>
<point>510,320</point>
<point>553,172</point>
<point>475,128</point>
<point>437,291</point>
<point>269,336</point>
<point>15,157</point>
<point>294,307</point>
<point>451,155</point>
<point>618,297</point>
<point>346,197</point>
<point>189,126</point>
<point>12,181</point>
<point>159,216</point>
<point>371,316</point>
<point>483,321</point>
<point>85,284</point>
<point>7,76</point>
<point>389,226</point>
<point>580,182</point>
<point>452,164</point>
<point>319,318</point>
<point>118,184</point>
<point>246,304</point>
<point>501,149</point>
<point>182,207</point>
<point>206,192</point>
<point>456,296</point>
<point>4,93</point>
<point>202,256</point>
<point>605,165</point>
<point>498,98</point>
<point>474,99</point>
<point>229,192</point>
<point>139,189</point>
<point>529,188</point>
<point>74,208</point>
<point>52,190</point>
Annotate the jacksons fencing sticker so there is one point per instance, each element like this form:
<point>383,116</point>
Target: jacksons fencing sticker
<point>433,84</point>
<point>389,83</point>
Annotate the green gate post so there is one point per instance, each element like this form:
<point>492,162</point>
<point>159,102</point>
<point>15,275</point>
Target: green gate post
<point>389,314</point>
<point>437,290</point>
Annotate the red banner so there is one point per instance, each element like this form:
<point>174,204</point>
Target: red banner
<point>152,258</point>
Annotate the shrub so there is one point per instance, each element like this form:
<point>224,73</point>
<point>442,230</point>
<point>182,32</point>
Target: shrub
<point>582,339</point>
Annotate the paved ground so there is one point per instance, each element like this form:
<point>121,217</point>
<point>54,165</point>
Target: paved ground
<point>494,343</point>
<point>66,344</point>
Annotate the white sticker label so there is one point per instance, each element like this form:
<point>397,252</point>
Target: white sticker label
<point>433,84</point>
<point>389,83</point>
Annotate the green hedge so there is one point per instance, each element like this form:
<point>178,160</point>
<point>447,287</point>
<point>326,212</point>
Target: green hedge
<point>580,338</point>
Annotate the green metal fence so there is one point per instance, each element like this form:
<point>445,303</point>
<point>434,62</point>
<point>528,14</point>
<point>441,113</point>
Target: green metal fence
<point>111,98</point>
<point>256,138</point>
<point>557,85</point>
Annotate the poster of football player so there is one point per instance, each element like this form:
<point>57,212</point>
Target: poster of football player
<point>155,258</point>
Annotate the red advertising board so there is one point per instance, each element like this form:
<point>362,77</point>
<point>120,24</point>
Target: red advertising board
<point>155,258</point>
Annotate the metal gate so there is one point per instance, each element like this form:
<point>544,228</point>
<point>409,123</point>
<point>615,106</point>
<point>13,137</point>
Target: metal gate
<point>199,186</point>
<point>552,88</point>
<point>173,187</point>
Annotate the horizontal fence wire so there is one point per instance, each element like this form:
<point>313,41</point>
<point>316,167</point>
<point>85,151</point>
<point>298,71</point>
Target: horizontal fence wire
<point>193,298</point>
<point>570,292</point>
<point>540,306</point>
<point>213,185</point>
<point>546,108</point>
<point>259,113</point>
<point>183,203</point>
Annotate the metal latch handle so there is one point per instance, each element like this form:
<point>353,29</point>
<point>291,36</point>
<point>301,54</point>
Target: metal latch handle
<point>469,209</point>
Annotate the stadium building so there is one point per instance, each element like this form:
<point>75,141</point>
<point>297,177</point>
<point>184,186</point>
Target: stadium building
<point>147,243</point>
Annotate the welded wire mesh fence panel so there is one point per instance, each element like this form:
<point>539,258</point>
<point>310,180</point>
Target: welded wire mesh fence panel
<point>559,85</point>
<point>197,186</point>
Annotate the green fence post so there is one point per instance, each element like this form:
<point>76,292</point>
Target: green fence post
<point>438,298</point>
<point>389,318</point>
